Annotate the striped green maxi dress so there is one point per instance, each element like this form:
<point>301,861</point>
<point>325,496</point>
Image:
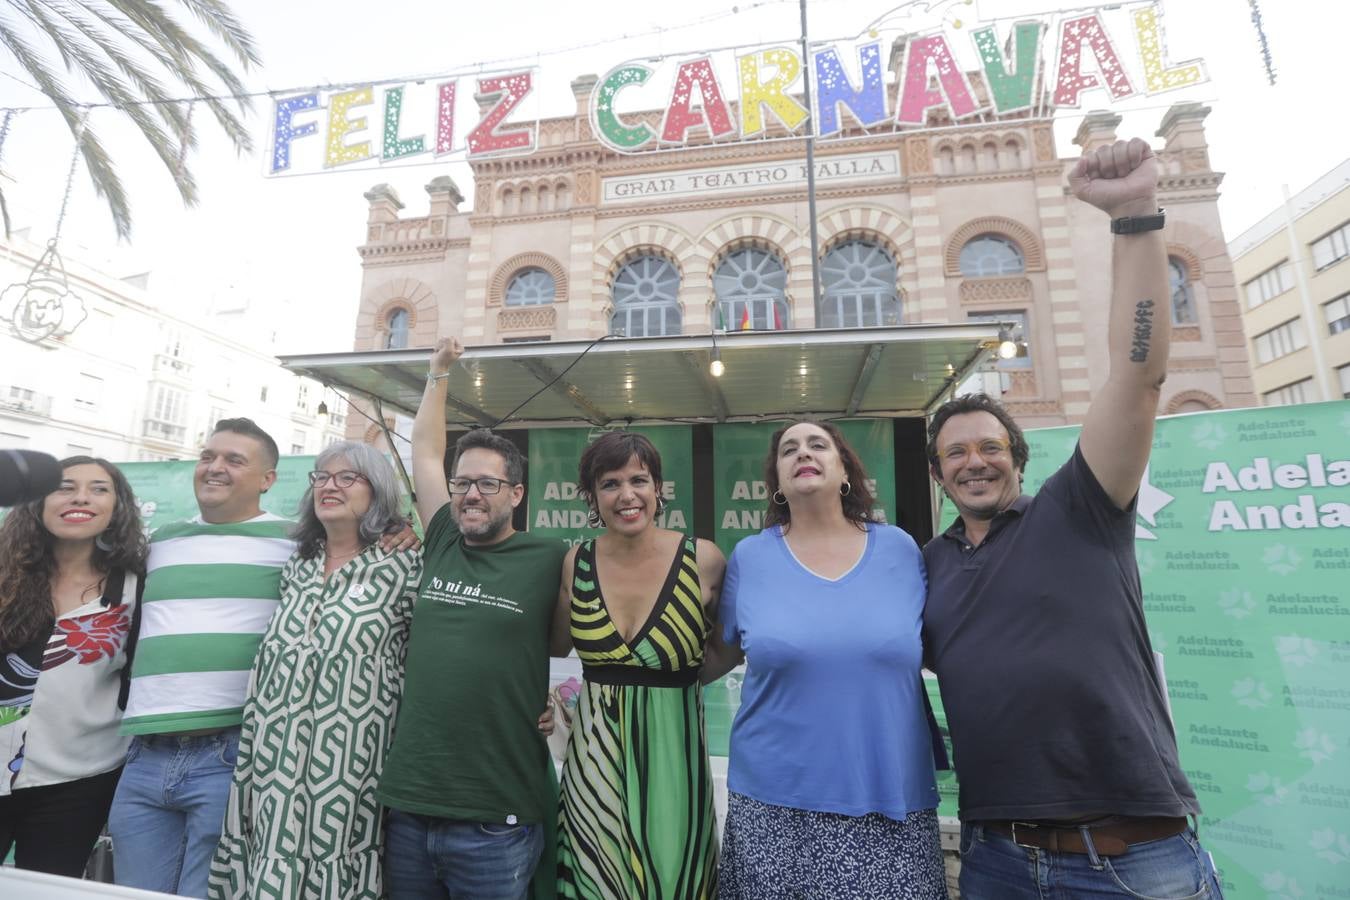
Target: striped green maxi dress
<point>636,820</point>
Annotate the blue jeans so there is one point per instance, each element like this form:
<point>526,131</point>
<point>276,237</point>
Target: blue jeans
<point>426,858</point>
<point>166,817</point>
<point>1174,868</point>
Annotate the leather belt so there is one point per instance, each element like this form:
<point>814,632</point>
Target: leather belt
<point>1112,839</point>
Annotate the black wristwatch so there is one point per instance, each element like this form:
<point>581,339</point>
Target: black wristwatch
<point>1136,224</point>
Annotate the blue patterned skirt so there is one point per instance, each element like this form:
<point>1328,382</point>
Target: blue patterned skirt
<point>779,853</point>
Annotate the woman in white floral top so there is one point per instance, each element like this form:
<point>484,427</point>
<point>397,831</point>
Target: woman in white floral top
<point>70,571</point>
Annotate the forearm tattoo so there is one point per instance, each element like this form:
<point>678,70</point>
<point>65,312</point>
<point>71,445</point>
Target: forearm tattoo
<point>1143,331</point>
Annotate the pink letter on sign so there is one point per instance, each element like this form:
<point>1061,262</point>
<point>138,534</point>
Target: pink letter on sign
<point>1070,81</point>
<point>485,137</point>
<point>916,98</point>
<point>445,118</point>
<point>713,115</point>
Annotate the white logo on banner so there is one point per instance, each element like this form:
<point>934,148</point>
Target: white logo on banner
<point>1209,435</point>
<point>1237,603</point>
<point>1270,790</point>
<point>1333,847</point>
<point>1295,650</point>
<point>1314,745</point>
<point>1280,559</point>
<point>1281,887</point>
<point>1151,501</point>
<point>1251,693</point>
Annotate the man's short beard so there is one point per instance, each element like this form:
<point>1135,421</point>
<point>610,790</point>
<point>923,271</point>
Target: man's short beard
<point>489,530</point>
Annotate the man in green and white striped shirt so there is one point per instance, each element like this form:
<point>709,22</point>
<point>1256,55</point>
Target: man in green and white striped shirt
<point>213,583</point>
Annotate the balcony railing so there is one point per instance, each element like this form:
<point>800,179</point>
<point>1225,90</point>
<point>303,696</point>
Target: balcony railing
<point>165,431</point>
<point>858,310</point>
<point>23,400</point>
<point>753,314</point>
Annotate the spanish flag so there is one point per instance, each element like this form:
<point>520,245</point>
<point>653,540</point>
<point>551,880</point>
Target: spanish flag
<point>745,318</point>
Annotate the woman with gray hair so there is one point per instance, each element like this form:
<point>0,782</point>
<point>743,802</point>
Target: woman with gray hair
<point>302,819</point>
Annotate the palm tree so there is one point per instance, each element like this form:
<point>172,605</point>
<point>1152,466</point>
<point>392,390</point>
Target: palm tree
<point>127,49</point>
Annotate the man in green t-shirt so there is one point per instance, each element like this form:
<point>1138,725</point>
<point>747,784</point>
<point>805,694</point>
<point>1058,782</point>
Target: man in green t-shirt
<point>469,777</point>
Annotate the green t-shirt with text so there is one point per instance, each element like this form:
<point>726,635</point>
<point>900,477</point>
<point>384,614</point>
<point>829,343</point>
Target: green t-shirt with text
<point>467,744</point>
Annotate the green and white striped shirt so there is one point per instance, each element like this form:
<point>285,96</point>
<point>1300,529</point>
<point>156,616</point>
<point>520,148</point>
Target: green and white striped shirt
<point>210,591</point>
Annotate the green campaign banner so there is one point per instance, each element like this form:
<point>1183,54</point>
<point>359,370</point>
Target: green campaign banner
<point>741,496</point>
<point>1243,542</point>
<point>164,489</point>
<point>556,509</point>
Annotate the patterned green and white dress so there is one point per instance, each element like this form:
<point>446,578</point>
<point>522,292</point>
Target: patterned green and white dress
<point>636,820</point>
<point>302,819</point>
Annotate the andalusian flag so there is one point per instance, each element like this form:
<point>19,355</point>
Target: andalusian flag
<point>721,318</point>
<point>745,318</point>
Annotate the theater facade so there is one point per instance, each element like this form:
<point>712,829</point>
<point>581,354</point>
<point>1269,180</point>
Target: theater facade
<point>970,222</point>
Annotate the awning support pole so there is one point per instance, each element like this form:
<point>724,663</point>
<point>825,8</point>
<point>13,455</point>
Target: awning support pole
<point>398,458</point>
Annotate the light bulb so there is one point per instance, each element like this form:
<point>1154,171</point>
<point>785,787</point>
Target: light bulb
<point>716,368</point>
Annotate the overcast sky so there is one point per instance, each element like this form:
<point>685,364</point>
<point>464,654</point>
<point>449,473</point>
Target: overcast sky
<point>288,244</point>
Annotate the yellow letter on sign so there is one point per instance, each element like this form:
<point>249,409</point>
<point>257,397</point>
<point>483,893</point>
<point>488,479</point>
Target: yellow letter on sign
<point>336,152</point>
<point>769,93</point>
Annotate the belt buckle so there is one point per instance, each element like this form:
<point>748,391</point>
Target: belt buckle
<point>1015,826</point>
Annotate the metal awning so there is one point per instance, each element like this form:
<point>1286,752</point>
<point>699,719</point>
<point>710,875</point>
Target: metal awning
<point>899,371</point>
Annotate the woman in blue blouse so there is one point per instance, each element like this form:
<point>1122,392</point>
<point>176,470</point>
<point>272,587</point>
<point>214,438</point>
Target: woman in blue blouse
<point>831,778</point>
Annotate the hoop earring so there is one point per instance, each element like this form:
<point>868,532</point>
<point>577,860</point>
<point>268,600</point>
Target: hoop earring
<point>779,498</point>
<point>593,518</point>
<point>101,544</point>
<point>660,505</point>
<point>845,489</point>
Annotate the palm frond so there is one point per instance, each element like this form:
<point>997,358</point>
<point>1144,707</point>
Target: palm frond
<point>222,22</point>
<point>136,56</point>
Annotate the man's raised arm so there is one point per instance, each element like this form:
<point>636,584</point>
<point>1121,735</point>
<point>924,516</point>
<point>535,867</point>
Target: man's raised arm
<point>1122,181</point>
<point>428,436</point>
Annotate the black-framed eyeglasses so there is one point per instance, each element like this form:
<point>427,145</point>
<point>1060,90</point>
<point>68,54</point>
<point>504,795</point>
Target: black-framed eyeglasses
<point>346,478</point>
<point>485,485</point>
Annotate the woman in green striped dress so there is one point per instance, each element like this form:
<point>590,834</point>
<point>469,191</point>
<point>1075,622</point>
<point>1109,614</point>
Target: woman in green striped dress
<point>636,820</point>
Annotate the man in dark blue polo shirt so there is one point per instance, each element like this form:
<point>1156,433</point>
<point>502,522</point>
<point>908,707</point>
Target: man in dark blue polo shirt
<point>1065,754</point>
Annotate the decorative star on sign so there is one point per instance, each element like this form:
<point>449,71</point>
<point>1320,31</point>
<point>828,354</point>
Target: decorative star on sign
<point>1151,501</point>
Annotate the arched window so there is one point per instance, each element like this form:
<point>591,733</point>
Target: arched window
<point>397,325</point>
<point>859,281</point>
<point>530,287</point>
<point>991,254</point>
<point>1183,295</point>
<point>750,286</point>
<point>646,298</point>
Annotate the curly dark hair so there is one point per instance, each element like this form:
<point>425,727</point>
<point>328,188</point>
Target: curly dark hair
<point>857,503</point>
<point>28,564</point>
<point>612,451</point>
<point>969,403</point>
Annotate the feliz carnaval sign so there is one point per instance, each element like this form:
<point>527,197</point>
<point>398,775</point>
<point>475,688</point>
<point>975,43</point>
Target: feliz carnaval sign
<point>1070,57</point>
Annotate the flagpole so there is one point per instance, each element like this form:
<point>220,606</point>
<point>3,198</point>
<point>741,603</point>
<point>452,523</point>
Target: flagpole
<point>811,167</point>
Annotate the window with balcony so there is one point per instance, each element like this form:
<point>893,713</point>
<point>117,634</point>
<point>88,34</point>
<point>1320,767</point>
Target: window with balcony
<point>1183,295</point>
<point>1343,374</point>
<point>646,298</point>
<point>858,279</point>
<point>1332,248</point>
<point>298,439</point>
<point>750,287</point>
<point>1269,284</point>
<point>988,255</point>
<point>302,397</point>
<point>1279,341</point>
<point>167,416</point>
<point>1337,313</point>
<point>530,287</point>
<point>1297,392</point>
